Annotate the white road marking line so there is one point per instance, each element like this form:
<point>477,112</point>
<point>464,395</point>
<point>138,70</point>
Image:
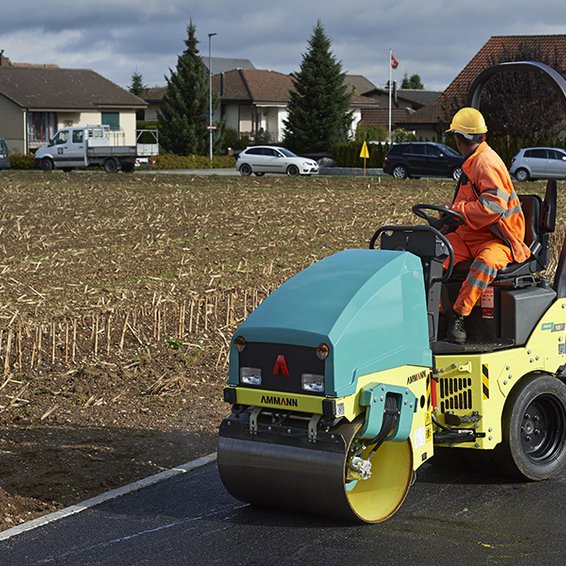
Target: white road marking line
<point>107,496</point>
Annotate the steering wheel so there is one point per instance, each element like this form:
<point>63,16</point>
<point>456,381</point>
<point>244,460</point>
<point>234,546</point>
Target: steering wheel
<point>406,233</point>
<point>447,215</point>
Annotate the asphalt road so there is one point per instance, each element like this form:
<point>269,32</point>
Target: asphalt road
<point>324,171</point>
<point>453,515</point>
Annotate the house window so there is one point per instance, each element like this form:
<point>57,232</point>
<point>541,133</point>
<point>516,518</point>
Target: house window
<point>111,119</point>
<point>41,126</point>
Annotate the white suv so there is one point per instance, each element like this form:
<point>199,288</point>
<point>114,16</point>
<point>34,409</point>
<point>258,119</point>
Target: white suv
<point>539,163</point>
<point>261,159</point>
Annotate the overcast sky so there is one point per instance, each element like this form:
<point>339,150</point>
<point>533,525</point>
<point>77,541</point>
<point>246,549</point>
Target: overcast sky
<point>434,38</point>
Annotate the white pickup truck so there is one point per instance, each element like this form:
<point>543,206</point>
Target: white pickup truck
<point>81,146</point>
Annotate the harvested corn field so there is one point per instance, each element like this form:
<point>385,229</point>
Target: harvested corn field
<point>118,297</point>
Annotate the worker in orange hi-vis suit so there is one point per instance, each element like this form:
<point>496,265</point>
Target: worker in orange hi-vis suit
<point>494,229</point>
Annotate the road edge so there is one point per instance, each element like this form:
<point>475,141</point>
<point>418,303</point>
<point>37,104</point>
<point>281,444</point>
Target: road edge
<point>107,496</point>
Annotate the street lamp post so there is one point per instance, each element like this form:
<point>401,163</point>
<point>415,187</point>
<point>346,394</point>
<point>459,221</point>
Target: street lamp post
<point>210,35</point>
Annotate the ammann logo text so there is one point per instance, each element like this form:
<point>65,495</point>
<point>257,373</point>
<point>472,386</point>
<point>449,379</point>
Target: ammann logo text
<point>416,377</point>
<point>281,401</point>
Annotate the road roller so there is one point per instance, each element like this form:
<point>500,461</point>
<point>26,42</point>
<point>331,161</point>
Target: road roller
<point>341,382</point>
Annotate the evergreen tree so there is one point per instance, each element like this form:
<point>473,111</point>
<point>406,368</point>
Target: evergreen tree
<point>137,86</point>
<point>412,82</point>
<point>183,113</point>
<point>318,106</point>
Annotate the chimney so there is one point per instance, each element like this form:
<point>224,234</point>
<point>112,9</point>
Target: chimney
<point>4,61</point>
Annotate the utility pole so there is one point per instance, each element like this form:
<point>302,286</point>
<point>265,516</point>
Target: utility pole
<point>210,35</point>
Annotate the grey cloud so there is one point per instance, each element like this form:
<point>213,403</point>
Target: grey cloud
<point>435,38</point>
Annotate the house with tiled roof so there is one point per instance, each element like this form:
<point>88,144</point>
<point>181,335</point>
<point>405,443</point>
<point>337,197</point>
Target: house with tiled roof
<point>254,102</point>
<point>432,120</point>
<point>36,101</point>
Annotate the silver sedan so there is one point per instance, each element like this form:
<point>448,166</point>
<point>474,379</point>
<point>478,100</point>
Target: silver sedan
<point>261,159</point>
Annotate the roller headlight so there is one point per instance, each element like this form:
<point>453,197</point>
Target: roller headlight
<point>250,376</point>
<point>312,382</point>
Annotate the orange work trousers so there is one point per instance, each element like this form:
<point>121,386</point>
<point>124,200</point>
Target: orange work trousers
<point>487,255</point>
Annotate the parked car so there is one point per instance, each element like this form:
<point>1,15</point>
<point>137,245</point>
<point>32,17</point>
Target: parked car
<point>261,159</point>
<point>539,163</point>
<point>415,159</point>
<point>4,157</point>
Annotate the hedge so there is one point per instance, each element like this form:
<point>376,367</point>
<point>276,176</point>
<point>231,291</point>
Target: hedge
<point>171,161</point>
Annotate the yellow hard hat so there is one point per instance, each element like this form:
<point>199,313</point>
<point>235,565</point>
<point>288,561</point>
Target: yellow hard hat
<point>469,122</point>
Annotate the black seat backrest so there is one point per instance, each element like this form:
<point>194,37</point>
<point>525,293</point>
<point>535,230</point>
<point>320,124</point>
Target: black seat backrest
<point>548,218</point>
<point>531,205</point>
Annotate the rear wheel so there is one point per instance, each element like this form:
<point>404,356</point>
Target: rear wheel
<point>110,165</point>
<point>522,175</point>
<point>400,172</point>
<point>47,164</point>
<point>245,170</point>
<point>292,170</point>
<point>534,429</point>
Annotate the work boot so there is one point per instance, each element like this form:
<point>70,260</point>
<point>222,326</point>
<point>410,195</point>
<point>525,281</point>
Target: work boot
<point>457,331</point>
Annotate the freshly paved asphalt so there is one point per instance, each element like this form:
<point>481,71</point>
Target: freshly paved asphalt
<point>453,515</point>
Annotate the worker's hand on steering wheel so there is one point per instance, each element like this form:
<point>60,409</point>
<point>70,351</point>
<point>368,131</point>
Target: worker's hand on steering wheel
<point>447,221</point>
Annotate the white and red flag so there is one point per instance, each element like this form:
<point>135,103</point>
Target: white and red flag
<point>394,62</point>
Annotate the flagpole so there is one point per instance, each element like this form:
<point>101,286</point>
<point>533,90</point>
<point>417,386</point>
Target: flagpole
<point>390,89</point>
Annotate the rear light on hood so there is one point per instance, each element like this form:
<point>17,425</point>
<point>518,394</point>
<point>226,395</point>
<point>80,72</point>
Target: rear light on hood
<point>240,343</point>
<point>322,351</point>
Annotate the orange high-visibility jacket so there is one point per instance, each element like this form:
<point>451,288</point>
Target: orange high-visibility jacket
<point>487,200</point>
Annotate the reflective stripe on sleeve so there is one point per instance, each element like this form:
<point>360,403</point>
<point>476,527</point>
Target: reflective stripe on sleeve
<point>500,193</point>
<point>491,205</point>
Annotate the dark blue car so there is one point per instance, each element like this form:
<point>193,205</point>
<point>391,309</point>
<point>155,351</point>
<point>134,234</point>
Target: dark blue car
<point>422,159</point>
<point>4,158</point>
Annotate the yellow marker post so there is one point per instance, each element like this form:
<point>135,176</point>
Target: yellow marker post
<point>364,154</point>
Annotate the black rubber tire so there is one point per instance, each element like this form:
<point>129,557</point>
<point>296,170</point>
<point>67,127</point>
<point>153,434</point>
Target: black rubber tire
<point>47,164</point>
<point>457,171</point>
<point>534,429</point>
<point>522,175</point>
<point>110,165</point>
<point>292,171</point>
<point>246,170</point>
<point>400,172</point>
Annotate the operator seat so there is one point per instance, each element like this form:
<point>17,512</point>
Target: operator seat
<point>540,222</point>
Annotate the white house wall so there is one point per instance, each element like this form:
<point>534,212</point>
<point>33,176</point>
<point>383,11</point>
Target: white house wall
<point>356,118</point>
<point>127,122</point>
<point>245,120</point>
<point>231,114</point>
<point>282,115</point>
